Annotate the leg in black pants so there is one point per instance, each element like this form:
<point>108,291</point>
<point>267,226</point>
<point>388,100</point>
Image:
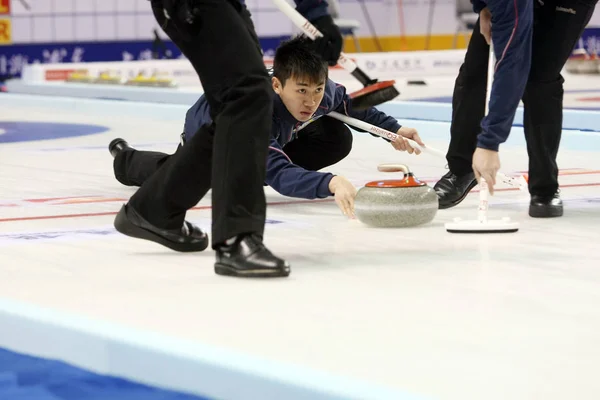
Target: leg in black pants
<point>468,109</point>
<point>238,90</point>
<point>321,144</point>
<point>555,34</point>
<point>134,167</point>
<point>468,105</point>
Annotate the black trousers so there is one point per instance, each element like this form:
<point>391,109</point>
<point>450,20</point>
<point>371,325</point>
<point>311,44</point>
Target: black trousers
<point>321,144</point>
<point>555,33</point>
<point>230,154</point>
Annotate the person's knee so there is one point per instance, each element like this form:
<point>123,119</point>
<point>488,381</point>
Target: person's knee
<point>472,75</point>
<point>346,141</point>
<point>342,136</point>
<point>261,85</point>
<point>545,72</point>
<point>256,86</point>
<point>544,90</point>
<point>251,93</point>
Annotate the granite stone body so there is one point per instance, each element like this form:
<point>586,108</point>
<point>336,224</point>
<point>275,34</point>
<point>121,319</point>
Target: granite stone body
<point>396,203</point>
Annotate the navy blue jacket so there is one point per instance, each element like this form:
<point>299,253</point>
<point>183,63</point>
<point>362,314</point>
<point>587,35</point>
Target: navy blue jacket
<point>512,28</point>
<point>283,175</point>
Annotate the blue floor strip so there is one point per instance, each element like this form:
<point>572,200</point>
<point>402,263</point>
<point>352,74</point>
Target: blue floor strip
<point>24,377</point>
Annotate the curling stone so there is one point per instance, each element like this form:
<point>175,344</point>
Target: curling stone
<point>399,203</point>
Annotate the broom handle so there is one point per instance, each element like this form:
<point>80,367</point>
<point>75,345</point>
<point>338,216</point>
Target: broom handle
<point>490,79</point>
<point>312,32</point>
<point>381,132</point>
<point>392,136</point>
<point>484,191</point>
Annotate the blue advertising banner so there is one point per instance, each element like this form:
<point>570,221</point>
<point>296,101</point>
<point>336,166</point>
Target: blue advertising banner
<point>14,57</point>
<point>590,41</point>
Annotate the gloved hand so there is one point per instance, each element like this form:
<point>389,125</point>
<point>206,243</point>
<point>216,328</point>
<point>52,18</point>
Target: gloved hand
<point>330,45</point>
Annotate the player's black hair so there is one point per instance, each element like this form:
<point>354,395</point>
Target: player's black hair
<point>295,58</point>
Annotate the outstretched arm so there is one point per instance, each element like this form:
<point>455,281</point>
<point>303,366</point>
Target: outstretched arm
<point>292,180</point>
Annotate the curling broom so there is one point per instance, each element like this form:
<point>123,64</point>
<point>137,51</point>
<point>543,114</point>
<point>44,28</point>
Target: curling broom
<point>482,224</point>
<point>373,93</point>
<point>519,183</point>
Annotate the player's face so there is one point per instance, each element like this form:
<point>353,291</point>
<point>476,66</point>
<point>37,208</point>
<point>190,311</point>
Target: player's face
<point>300,96</point>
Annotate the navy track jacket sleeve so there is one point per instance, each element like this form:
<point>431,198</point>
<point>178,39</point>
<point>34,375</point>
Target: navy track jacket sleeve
<point>292,180</point>
<point>512,27</point>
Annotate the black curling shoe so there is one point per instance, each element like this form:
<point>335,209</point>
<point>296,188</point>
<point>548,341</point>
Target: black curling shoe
<point>188,238</point>
<point>452,189</point>
<point>248,257</point>
<point>546,206</point>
